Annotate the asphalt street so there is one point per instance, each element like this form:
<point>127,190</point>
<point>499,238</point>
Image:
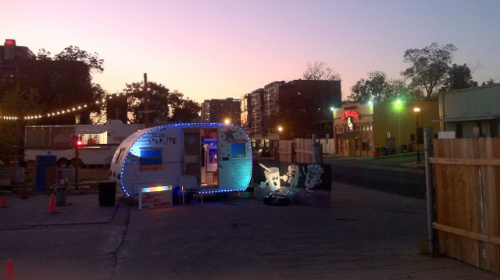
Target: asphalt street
<point>387,174</point>
<point>365,234</point>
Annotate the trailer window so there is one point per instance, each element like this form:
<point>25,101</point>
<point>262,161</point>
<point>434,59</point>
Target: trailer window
<point>150,159</point>
<point>120,154</point>
<point>238,150</point>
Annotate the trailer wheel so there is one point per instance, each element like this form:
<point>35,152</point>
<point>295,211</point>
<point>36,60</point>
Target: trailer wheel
<point>74,162</point>
<point>62,162</point>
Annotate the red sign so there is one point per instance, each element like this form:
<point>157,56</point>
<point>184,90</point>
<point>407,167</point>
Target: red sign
<point>150,167</point>
<point>155,199</point>
<point>350,113</point>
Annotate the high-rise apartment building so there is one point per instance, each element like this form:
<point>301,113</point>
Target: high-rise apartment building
<point>301,107</point>
<point>11,56</point>
<point>245,107</point>
<point>218,110</point>
<point>59,83</point>
<point>205,112</point>
<point>252,116</point>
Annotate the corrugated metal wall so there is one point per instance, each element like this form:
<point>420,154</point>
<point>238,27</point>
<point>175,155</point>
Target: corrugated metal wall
<point>45,137</point>
<point>469,103</point>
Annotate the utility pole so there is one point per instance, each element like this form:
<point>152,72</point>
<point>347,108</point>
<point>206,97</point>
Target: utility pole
<point>417,138</point>
<point>429,190</point>
<point>77,166</point>
<point>76,144</point>
<point>146,101</point>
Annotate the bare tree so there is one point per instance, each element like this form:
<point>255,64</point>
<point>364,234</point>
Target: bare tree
<point>320,71</point>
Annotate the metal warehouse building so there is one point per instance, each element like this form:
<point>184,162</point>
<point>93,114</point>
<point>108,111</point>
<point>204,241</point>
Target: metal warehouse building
<point>472,112</point>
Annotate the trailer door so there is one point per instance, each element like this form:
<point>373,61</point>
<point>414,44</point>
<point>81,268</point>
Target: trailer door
<point>192,153</point>
<point>234,158</point>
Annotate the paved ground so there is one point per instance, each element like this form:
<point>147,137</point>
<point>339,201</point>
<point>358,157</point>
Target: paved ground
<point>366,234</point>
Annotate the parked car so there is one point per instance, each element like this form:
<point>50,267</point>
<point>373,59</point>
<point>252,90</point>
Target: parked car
<point>264,152</point>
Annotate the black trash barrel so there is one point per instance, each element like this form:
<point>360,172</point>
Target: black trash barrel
<point>107,193</point>
<point>60,196</point>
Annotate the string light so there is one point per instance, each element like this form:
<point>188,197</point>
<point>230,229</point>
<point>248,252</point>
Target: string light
<point>60,111</point>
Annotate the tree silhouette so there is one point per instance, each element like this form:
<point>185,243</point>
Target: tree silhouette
<point>164,106</point>
<point>429,66</point>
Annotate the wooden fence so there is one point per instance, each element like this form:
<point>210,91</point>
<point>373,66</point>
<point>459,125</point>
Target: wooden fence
<point>467,193</point>
<point>286,150</point>
<point>327,146</point>
<point>301,150</point>
<point>297,150</point>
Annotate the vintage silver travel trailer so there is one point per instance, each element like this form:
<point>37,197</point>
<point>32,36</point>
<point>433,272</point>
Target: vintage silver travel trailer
<point>218,156</point>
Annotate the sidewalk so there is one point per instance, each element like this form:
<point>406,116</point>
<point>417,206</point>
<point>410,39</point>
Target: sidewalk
<point>32,212</point>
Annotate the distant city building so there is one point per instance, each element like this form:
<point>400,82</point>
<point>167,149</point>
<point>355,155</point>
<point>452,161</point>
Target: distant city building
<point>59,83</point>
<point>245,107</point>
<point>11,56</point>
<point>205,111</point>
<point>251,111</point>
<point>300,107</point>
<point>218,110</point>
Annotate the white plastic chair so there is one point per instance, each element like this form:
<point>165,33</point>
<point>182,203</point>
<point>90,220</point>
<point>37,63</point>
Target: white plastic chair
<point>189,184</point>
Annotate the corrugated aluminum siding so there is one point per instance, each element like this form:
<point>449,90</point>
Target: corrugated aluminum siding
<point>479,102</point>
<point>49,137</point>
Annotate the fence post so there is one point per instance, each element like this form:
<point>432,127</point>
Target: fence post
<point>320,153</point>
<point>429,188</point>
<point>277,151</point>
<point>316,150</point>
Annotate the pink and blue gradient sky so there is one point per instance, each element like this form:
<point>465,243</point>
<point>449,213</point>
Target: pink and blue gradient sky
<point>227,48</point>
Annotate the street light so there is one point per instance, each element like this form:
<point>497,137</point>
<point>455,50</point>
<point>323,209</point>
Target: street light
<point>398,108</point>
<point>333,125</point>
<point>417,112</point>
<point>276,147</point>
<point>227,121</point>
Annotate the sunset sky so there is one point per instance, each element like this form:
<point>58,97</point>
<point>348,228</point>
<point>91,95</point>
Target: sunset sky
<point>227,48</point>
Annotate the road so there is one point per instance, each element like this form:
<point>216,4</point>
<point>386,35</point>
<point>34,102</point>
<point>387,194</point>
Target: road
<point>366,234</point>
<point>381,173</point>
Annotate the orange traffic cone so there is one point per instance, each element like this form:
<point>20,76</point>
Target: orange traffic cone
<point>52,204</point>
<point>24,193</point>
<point>9,271</point>
<point>3,203</point>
